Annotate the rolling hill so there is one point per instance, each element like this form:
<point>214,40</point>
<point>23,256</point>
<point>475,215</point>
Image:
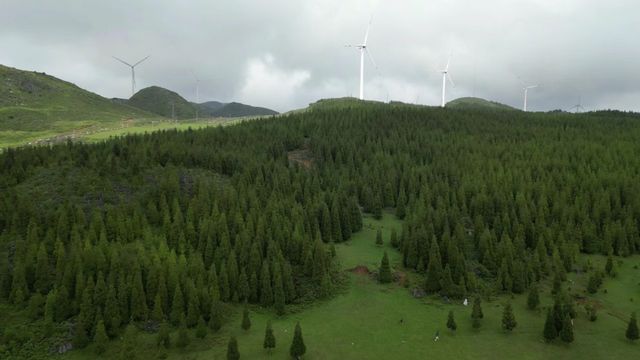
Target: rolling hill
<point>472,103</point>
<point>168,103</point>
<point>163,102</point>
<point>36,102</point>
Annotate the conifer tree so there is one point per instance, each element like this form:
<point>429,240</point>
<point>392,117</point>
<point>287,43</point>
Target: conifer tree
<point>508,319</point>
<point>246,322</point>
<point>384,274</point>
<point>434,270</point>
<point>112,312</point>
<point>269,342</point>
<point>533,299</point>
<point>215,316</point>
<point>183,335</point>
<point>550,332</point>
<point>201,328</point>
<point>566,333</point>
<point>164,337</point>
<point>177,306</point>
<point>476,313</point>
<point>298,347</point>
<point>100,338</point>
<point>138,299</point>
<point>80,337</point>
<point>451,322</point>
<point>379,241</point>
<point>632,328</point>
<point>232,349</point>
<point>266,293</point>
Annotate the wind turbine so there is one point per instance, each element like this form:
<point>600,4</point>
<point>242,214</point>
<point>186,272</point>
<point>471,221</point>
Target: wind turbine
<point>526,92</point>
<point>579,106</point>
<point>445,77</point>
<point>363,49</point>
<point>133,72</point>
<point>197,95</point>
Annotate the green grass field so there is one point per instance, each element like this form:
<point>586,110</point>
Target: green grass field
<point>364,321</point>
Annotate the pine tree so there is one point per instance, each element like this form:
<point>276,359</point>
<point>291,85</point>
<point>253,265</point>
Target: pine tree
<point>164,337</point>
<point>138,299</point>
<point>384,274</point>
<point>266,293</point>
<point>451,322</point>
<point>201,328</point>
<point>379,241</point>
<point>177,306</point>
<point>632,328</point>
<point>246,322</point>
<point>100,339</point>
<point>269,339</point>
<point>508,319</point>
<point>80,337</point>
<point>550,331</point>
<point>183,335</point>
<point>476,313</point>
<point>298,347</point>
<point>608,267</point>
<point>533,299</point>
<point>112,312</point>
<point>394,238</point>
<point>566,334</point>
<point>434,271</point>
<point>232,349</point>
<point>215,316</point>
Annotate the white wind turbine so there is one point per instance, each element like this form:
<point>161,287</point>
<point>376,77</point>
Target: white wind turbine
<point>579,108</point>
<point>526,93</point>
<point>197,94</point>
<point>363,49</point>
<point>445,77</point>
<point>133,72</point>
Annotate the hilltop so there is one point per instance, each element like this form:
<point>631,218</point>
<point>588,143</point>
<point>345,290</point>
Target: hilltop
<point>33,103</point>
<point>473,103</point>
<point>163,102</point>
<point>167,103</point>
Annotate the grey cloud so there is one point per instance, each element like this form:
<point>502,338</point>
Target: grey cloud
<point>287,53</point>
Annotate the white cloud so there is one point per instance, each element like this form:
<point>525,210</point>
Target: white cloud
<point>266,84</point>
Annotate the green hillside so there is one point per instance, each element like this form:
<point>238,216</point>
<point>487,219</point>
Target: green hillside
<point>163,102</point>
<point>35,104</point>
<point>235,109</point>
<point>472,103</point>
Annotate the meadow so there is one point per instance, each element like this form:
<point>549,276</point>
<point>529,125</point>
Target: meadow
<point>364,320</point>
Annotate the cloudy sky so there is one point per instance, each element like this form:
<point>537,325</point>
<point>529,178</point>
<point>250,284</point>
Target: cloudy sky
<point>285,54</point>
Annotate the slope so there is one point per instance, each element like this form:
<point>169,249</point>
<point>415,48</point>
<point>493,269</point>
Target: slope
<point>473,103</point>
<point>33,104</point>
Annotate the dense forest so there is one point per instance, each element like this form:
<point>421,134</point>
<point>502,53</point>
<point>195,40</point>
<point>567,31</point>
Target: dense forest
<point>173,225</point>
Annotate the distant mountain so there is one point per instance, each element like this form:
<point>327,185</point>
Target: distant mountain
<point>211,106</point>
<point>163,102</point>
<point>472,103</point>
<point>235,109</point>
<point>166,103</point>
<point>33,102</point>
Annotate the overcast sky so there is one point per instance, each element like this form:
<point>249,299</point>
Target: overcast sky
<point>285,54</point>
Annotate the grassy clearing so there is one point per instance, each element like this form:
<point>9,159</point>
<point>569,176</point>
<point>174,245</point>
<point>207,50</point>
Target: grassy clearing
<point>364,322</point>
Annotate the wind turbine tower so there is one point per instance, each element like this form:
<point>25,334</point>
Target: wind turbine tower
<point>133,72</point>
<point>445,77</point>
<point>526,93</point>
<point>363,49</point>
<point>197,95</point>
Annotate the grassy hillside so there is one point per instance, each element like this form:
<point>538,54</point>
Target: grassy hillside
<point>471,103</point>
<point>163,102</point>
<point>235,109</point>
<point>34,104</point>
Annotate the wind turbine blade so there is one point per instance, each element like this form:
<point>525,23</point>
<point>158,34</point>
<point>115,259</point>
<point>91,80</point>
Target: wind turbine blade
<point>136,64</point>
<point>366,35</point>
<point>450,80</point>
<point>122,61</point>
<point>371,58</point>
